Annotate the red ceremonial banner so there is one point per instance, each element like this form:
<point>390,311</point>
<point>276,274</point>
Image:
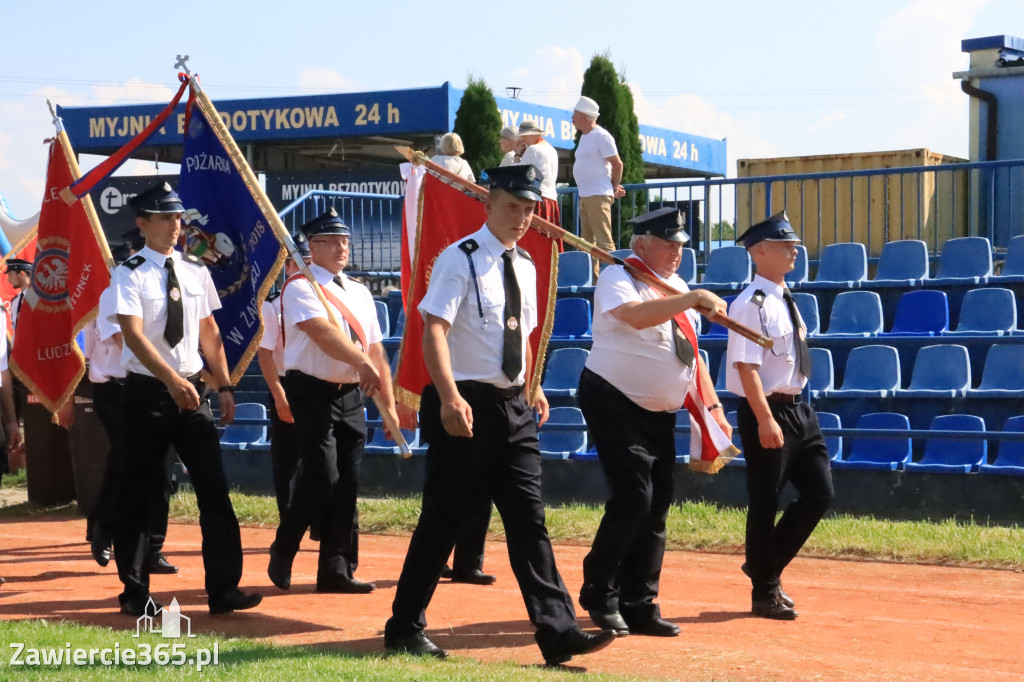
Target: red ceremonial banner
<point>68,276</point>
<point>446,215</point>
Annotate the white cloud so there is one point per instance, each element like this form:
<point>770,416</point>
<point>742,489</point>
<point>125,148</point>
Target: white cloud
<point>326,79</point>
<point>552,77</point>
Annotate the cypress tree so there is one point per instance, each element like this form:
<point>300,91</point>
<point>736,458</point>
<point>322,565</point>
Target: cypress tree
<point>478,123</point>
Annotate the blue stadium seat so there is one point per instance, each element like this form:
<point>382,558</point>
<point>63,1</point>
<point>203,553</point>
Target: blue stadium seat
<point>382,318</point>
<point>739,460</point>
<point>871,372</point>
<point>575,270</point>
<point>842,266</point>
<point>1010,459</point>
<point>705,357</point>
<point>988,310</point>
<point>798,275</point>
<point>828,420</point>
<point>720,388</point>
<point>562,376</point>
<point>399,325</point>
<point>561,443</point>
<point>946,456</point>
<point>715,329</point>
<point>967,260</point>
<point>729,268</point>
<point>1003,376</point>
<point>822,372</point>
<point>683,436</point>
<point>572,318</point>
<point>379,445</point>
<point>244,436</point>
<point>855,313</point>
<point>921,312</point>
<point>942,371</point>
<point>687,269</point>
<point>1013,266</point>
<point>622,253</point>
<point>902,263</point>
<point>879,454</point>
<point>807,304</point>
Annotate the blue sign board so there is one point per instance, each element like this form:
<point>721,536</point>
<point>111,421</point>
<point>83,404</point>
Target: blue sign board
<point>390,113</point>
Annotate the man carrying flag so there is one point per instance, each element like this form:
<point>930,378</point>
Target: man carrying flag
<point>478,313</point>
<point>165,303</point>
<point>639,373</point>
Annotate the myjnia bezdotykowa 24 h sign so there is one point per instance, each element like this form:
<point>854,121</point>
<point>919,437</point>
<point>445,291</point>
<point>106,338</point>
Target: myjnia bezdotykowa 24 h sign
<point>384,113</point>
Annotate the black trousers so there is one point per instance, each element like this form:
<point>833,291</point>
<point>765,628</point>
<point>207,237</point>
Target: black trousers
<point>469,546</point>
<point>803,461</point>
<point>330,426</point>
<point>284,458</point>
<point>637,451</point>
<point>153,423</point>
<point>108,399</point>
<point>501,461</point>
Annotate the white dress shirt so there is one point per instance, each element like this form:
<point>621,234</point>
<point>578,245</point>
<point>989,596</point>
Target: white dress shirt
<point>476,343</point>
<point>642,363</point>
<point>272,332</point>
<point>300,303</point>
<point>142,292</point>
<point>102,350</point>
<point>779,373</point>
<point>545,159</point>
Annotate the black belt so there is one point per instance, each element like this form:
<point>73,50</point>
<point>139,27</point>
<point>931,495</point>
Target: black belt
<point>783,398</point>
<point>293,374</point>
<point>144,379</point>
<point>482,389</point>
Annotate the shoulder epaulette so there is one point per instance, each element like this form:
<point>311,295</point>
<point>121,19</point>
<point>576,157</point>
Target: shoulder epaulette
<point>273,296</point>
<point>134,262</point>
<point>469,246</point>
<point>523,252</point>
<point>192,259</point>
<point>758,298</point>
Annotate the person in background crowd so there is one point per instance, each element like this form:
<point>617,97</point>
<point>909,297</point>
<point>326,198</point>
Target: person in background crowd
<point>509,141</point>
<point>11,428</point>
<point>451,150</point>
<point>598,174</point>
<point>542,156</point>
<point>781,437</point>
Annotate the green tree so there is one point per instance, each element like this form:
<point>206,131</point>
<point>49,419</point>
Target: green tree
<point>608,87</point>
<point>478,123</point>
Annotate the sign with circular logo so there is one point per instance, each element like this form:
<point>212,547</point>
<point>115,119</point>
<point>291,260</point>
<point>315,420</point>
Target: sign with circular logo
<point>50,272</point>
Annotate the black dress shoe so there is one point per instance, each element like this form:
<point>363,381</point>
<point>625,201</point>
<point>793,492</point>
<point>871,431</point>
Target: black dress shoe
<point>280,570</point>
<point>159,564</point>
<point>474,577</point>
<point>100,551</point>
<point>417,645</point>
<point>447,572</point>
<point>2,580</point>
<point>340,585</point>
<point>611,620</point>
<point>139,606</point>
<point>234,600</point>
<point>786,599</point>
<point>655,627</point>
<point>774,608</point>
<point>575,642</point>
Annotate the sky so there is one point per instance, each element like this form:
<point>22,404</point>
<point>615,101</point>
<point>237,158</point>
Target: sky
<point>783,78</point>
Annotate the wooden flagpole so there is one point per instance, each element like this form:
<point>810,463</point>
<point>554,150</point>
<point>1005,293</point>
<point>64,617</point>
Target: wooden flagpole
<point>274,220</point>
<point>554,231</point>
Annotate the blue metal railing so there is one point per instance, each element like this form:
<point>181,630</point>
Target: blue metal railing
<point>932,203</point>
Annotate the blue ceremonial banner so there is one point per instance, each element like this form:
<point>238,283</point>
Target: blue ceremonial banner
<point>226,229</point>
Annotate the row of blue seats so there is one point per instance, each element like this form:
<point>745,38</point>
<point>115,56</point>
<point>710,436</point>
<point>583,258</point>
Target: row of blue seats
<point>565,437</point>
<point>840,266</point>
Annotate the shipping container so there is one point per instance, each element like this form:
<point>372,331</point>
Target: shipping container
<point>870,209</point>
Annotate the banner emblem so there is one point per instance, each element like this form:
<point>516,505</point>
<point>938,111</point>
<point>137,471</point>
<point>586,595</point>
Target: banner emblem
<point>49,292</point>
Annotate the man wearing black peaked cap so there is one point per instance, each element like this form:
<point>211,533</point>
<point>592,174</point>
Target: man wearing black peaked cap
<point>329,372</point>
<point>636,378</point>
<point>478,312</point>
<point>164,306</point>
<point>781,437</point>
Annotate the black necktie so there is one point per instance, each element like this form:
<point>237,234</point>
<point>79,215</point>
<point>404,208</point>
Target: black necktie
<point>803,354</point>
<point>684,349</point>
<point>512,354</point>
<point>174,331</point>
<point>17,310</point>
